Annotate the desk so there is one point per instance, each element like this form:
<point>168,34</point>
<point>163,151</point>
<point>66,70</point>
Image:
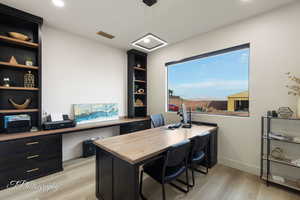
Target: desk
<point>118,158</point>
<point>30,155</point>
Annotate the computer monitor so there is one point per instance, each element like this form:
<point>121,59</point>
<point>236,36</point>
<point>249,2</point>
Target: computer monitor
<point>187,119</point>
<point>184,114</point>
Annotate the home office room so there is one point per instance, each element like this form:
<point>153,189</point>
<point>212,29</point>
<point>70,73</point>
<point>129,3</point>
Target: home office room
<point>149,99</point>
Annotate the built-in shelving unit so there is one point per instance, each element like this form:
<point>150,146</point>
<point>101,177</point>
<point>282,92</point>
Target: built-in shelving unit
<point>18,111</point>
<point>7,64</point>
<point>137,80</point>
<point>139,68</point>
<point>140,81</point>
<point>18,88</point>
<point>13,20</point>
<point>18,42</point>
<point>267,137</point>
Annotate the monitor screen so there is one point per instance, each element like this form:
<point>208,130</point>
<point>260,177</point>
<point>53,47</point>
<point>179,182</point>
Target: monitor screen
<point>184,114</point>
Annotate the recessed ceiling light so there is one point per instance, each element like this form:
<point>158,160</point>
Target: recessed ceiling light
<point>246,1</point>
<point>149,43</point>
<point>58,3</point>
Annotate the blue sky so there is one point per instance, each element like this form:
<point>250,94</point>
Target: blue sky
<point>212,77</point>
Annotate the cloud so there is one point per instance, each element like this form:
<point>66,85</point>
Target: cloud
<point>216,84</point>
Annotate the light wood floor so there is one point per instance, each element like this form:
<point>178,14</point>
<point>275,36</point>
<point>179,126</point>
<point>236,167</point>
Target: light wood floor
<point>77,182</point>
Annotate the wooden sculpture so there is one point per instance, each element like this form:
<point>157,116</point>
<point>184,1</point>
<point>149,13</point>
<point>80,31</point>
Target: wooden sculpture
<point>20,106</point>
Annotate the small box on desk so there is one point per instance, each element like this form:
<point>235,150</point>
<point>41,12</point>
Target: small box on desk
<point>17,123</point>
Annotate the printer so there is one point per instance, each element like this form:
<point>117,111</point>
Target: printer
<point>17,123</point>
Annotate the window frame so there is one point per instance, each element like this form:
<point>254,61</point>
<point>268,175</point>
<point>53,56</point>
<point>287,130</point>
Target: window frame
<point>205,55</point>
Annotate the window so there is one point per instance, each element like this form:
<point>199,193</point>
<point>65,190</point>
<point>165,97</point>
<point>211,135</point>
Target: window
<point>213,83</point>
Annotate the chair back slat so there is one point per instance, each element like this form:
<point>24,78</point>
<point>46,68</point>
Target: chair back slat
<point>178,154</point>
<point>157,120</point>
<point>199,143</point>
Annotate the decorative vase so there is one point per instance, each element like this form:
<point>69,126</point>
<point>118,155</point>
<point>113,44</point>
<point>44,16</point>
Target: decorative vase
<point>298,108</point>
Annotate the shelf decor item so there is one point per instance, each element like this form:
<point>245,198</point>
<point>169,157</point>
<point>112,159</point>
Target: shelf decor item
<point>19,36</point>
<point>6,82</point>
<point>141,91</point>
<point>29,62</point>
<point>139,102</point>
<point>278,153</point>
<point>13,60</point>
<point>20,106</point>
<point>285,112</point>
<point>29,80</point>
<point>294,90</point>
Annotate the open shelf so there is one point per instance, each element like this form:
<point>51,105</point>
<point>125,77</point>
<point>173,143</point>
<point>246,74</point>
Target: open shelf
<point>18,111</point>
<point>288,183</point>
<point>140,81</point>
<point>18,88</point>
<point>281,140</point>
<point>139,68</point>
<point>283,162</point>
<point>18,42</point>
<point>292,118</point>
<point>19,66</point>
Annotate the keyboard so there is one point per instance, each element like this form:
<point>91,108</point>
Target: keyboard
<point>174,126</point>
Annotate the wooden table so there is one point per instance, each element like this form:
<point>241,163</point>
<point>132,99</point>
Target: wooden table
<point>30,155</point>
<point>118,158</point>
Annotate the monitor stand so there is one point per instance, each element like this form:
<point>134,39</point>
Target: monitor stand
<point>189,125</point>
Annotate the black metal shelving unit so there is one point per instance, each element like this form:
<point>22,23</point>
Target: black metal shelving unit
<point>266,137</point>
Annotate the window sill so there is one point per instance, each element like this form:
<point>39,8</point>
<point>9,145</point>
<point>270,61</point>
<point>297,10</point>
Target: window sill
<point>212,115</point>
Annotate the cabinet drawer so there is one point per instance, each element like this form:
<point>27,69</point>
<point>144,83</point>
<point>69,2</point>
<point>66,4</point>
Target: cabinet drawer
<point>30,172</point>
<point>32,145</point>
<point>135,126</point>
<point>27,159</point>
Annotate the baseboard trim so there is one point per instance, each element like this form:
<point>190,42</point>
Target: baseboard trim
<point>252,169</point>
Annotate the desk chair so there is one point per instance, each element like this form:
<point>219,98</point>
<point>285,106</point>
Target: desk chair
<point>198,154</point>
<point>157,120</point>
<point>169,167</point>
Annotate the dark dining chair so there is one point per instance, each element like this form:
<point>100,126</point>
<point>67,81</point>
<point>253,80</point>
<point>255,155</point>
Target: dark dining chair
<point>168,167</point>
<point>198,154</point>
<point>157,120</point>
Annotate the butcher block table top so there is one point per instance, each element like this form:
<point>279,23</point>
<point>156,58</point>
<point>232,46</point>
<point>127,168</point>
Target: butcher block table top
<point>82,127</point>
<point>142,145</point>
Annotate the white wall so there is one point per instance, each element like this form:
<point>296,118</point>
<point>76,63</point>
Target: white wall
<point>78,70</point>
<point>275,50</point>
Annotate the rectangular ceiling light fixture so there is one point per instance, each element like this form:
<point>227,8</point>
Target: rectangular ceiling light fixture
<point>149,42</point>
<point>106,35</point>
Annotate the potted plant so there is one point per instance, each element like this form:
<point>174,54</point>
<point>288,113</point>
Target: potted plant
<point>294,89</point>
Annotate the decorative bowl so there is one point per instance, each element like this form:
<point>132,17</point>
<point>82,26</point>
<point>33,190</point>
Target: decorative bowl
<point>19,36</point>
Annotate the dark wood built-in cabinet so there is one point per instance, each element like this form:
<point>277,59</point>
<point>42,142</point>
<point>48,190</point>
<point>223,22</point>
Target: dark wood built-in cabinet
<point>135,126</point>
<point>26,158</point>
<point>13,20</point>
<point>30,158</point>
<point>137,81</point>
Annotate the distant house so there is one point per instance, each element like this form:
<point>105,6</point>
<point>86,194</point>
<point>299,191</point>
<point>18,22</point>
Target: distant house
<point>238,102</point>
<point>199,104</point>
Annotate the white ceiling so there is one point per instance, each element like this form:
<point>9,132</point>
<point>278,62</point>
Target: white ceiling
<point>128,20</point>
